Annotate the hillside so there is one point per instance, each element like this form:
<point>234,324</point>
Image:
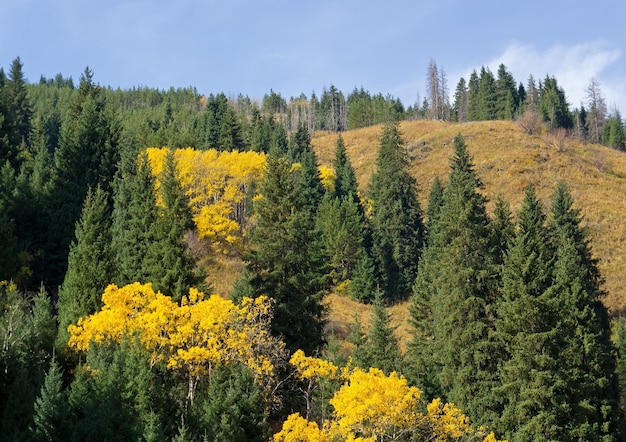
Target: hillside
<point>506,160</point>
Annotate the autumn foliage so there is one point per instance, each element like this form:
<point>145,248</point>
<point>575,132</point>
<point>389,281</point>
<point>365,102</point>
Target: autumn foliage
<point>371,406</point>
<point>191,338</point>
<point>217,185</point>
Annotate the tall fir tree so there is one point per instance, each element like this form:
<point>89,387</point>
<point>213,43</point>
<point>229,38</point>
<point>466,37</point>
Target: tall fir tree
<point>87,157</point>
<point>285,260</point>
<point>52,413</point>
<point>590,403</point>
<point>168,251</point>
<point>396,219</point>
<point>452,294</point>
<point>133,222</point>
<point>90,265</point>
<point>379,348</point>
<point>345,178</point>
<point>525,327</point>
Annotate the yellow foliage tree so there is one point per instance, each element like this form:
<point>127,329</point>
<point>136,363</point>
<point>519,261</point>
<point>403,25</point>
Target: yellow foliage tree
<point>217,185</point>
<point>371,406</point>
<point>192,338</point>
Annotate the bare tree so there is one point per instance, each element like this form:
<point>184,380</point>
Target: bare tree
<point>596,115</point>
<point>437,91</point>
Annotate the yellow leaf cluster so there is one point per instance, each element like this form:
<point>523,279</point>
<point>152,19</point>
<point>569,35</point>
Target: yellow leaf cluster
<point>327,176</point>
<point>217,185</point>
<point>371,406</point>
<point>192,337</point>
<point>447,420</point>
<point>309,367</point>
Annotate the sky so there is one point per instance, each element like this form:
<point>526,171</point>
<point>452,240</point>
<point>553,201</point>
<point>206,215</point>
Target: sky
<point>294,47</point>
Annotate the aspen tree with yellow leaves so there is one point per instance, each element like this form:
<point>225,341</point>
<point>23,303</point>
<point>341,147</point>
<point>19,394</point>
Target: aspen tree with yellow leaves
<point>372,406</point>
<point>192,338</point>
<point>217,185</point>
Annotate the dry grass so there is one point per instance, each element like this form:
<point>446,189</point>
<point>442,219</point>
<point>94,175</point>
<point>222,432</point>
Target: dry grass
<point>506,160</point>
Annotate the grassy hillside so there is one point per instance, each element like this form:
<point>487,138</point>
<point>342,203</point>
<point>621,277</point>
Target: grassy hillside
<point>506,160</point>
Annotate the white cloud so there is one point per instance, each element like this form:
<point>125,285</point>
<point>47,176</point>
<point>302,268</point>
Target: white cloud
<point>572,66</point>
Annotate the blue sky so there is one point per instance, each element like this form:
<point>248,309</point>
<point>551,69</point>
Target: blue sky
<point>294,47</point>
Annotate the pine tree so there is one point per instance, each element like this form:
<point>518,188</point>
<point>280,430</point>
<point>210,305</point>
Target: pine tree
<point>396,220</point>
<point>134,218</point>
<point>586,354</point>
<point>87,157</point>
<point>435,202</point>
<point>380,348</point>
<point>345,178</point>
<point>452,298</point>
<point>525,326</point>
<point>51,414</point>
<point>285,261</point>
<point>90,265</point>
<point>169,252</point>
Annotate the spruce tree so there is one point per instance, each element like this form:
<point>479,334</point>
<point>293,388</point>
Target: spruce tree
<point>452,291</point>
<point>345,178</point>
<point>363,285</point>
<point>525,327</point>
<point>87,157</point>
<point>502,229</point>
<point>396,220</point>
<point>285,260</point>
<point>380,348</point>
<point>52,413</point>
<point>134,218</point>
<point>90,265</point>
<point>435,201</point>
<point>19,102</point>
<point>168,251</point>
<point>590,401</point>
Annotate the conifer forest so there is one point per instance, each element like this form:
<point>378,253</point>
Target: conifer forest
<point>175,265</point>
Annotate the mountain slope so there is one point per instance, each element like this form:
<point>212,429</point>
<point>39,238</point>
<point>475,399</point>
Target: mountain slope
<point>506,160</point>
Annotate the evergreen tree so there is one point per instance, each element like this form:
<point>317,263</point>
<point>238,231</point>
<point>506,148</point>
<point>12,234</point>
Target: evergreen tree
<point>473,99</point>
<point>19,103</point>
<point>342,226</point>
<point>525,326</point>
<point>285,260</point>
<point>613,134</point>
<point>553,105</point>
<point>487,96</point>
<point>233,407</point>
<point>345,178</point>
<point>589,405</point>
<point>299,144</point>
<point>502,229</point>
<point>380,347</point>
<point>90,265</point>
<point>168,251</point>
<point>51,416</point>
<point>87,157</point>
<point>396,220</point>
<point>506,95</point>
<point>435,202</point>
<point>363,285</point>
<point>460,108</point>
<point>452,295</point>
<point>134,217</point>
